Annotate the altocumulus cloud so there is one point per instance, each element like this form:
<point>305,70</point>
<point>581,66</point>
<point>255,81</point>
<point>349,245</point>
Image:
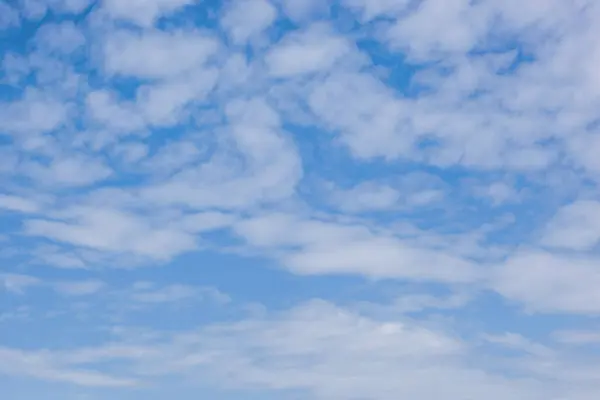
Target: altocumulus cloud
<point>347,199</point>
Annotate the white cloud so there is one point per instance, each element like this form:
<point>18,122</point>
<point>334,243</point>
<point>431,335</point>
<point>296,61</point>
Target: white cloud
<point>22,313</point>
<point>366,196</point>
<point>164,141</point>
<point>207,221</point>
<point>9,17</point>
<point>364,111</point>
<point>544,282</point>
<point>173,157</point>
<point>113,231</point>
<point>270,170</point>
<point>301,10</point>
<point>315,50</point>
<point>575,226</point>
<point>521,343</point>
<point>577,338</point>
<point>19,204</point>
<point>373,121</point>
<point>70,6</point>
<point>73,170</point>
<point>34,9</point>
<point>143,12</point>
<point>245,19</point>
<point>82,288</point>
<point>131,153</point>
<point>503,126</point>
<point>56,257</point>
<point>150,55</point>
<point>122,117</point>
<point>498,193</point>
<point>415,302</point>
<point>342,354</point>
<point>167,294</point>
<point>237,73</point>
<point>163,105</point>
<point>36,365</point>
<point>35,113</point>
<point>168,88</point>
<point>410,191</point>
<point>63,38</point>
<point>318,247</point>
<point>437,28</point>
<point>17,283</point>
<point>177,293</point>
<point>584,152</point>
<point>382,257</point>
<point>370,9</point>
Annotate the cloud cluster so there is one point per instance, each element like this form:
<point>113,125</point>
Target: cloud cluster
<point>448,145</point>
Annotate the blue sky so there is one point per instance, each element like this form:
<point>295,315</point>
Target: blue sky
<point>299,199</point>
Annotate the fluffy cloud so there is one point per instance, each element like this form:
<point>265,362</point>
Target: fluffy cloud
<point>575,226</point>
<point>301,10</point>
<point>321,247</point>
<point>245,19</point>
<point>444,149</point>
<point>112,231</point>
<point>143,12</point>
<point>16,203</point>
<point>9,16</point>
<point>550,283</point>
<point>151,55</point>
<point>315,50</point>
